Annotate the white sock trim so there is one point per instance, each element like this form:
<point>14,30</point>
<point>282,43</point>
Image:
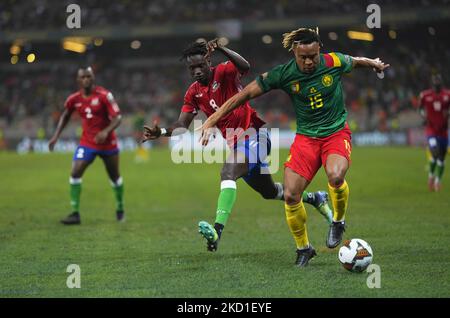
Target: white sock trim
<point>228,184</point>
<point>75,180</point>
<point>280,190</point>
<point>118,183</point>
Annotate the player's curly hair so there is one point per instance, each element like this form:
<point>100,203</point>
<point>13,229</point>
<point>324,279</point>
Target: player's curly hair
<point>301,36</point>
<point>194,48</point>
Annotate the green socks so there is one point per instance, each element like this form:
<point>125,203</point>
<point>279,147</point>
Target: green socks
<point>118,193</point>
<point>432,166</point>
<point>226,200</point>
<point>439,169</point>
<point>75,192</point>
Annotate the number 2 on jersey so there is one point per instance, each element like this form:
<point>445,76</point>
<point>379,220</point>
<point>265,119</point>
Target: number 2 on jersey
<point>88,111</point>
<point>437,106</point>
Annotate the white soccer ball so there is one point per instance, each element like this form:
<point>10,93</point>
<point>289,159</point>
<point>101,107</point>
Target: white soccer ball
<point>355,255</point>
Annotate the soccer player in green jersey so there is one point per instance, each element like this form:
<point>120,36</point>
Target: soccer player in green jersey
<point>313,82</point>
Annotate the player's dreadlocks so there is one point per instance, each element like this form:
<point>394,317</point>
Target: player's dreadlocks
<point>194,48</point>
<point>301,36</point>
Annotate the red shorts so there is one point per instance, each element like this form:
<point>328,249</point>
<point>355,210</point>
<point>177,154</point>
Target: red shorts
<point>308,154</point>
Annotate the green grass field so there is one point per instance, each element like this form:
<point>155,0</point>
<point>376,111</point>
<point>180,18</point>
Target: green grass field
<point>158,252</point>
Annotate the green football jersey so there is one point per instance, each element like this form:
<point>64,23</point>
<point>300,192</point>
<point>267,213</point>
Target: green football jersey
<point>317,97</point>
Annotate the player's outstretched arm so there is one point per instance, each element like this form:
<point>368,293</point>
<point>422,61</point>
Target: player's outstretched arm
<point>421,110</point>
<point>101,137</point>
<point>250,91</point>
<point>377,64</point>
<point>241,64</point>
<point>62,122</point>
<point>177,128</point>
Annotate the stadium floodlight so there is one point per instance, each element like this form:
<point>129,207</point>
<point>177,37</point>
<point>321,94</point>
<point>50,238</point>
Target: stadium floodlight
<point>15,49</point>
<point>14,59</point>
<point>31,58</point>
<point>76,44</point>
<point>267,39</point>
<point>363,36</point>
<point>392,34</point>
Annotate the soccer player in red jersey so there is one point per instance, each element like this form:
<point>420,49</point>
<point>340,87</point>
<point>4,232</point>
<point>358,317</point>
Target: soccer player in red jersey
<point>100,115</point>
<point>212,87</point>
<point>434,107</point>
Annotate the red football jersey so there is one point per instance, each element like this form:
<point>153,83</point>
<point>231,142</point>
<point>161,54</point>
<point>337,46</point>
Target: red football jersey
<point>96,112</point>
<point>436,106</point>
<point>225,84</point>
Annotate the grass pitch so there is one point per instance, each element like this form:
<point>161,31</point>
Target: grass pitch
<point>157,252</point>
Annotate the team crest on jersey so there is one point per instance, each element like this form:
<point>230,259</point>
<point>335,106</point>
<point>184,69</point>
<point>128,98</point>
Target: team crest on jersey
<point>327,80</point>
<point>78,104</point>
<point>94,102</point>
<point>215,86</point>
<point>295,87</point>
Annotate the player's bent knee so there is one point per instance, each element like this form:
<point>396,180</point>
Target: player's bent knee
<point>225,174</point>
<point>76,174</point>
<point>291,198</point>
<point>336,179</point>
<point>229,172</point>
<point>336,176</point>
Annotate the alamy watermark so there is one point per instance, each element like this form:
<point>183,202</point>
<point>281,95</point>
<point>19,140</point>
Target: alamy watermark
<point>73,20</point>
<point>74,279</point>
<point>374,19</point>
<point>254,146</point>
<point>374,278</point>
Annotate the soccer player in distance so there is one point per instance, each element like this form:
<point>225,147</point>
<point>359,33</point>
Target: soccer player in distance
<point>313,82</point>
<point>434,107</point>
<point>100,115</point>
<point>212,87</point>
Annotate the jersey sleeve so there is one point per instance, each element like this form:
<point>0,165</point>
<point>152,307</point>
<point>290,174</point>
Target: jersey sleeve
<point>231,71</point>
<point>111,105</point>
<point>345,61</point>
<point>421,99</point>
<point>189,105</point>
<point>271,79</point>
<point>447,99</point>
<point>69,104</point>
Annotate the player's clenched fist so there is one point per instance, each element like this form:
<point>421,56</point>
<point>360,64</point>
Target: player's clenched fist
<point>151,133</point>
<point>213,45</point>
<point>52,143</point>
<point>101,137</point>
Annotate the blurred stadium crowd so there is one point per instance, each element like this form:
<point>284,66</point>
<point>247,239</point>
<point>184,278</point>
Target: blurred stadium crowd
<point>152,87</point>
<point>16,14</point>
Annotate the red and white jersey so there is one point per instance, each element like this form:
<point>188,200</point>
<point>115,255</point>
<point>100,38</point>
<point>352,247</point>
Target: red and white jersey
<point>436,105</point>
<point>224,84</point>
<point>96,112</point>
